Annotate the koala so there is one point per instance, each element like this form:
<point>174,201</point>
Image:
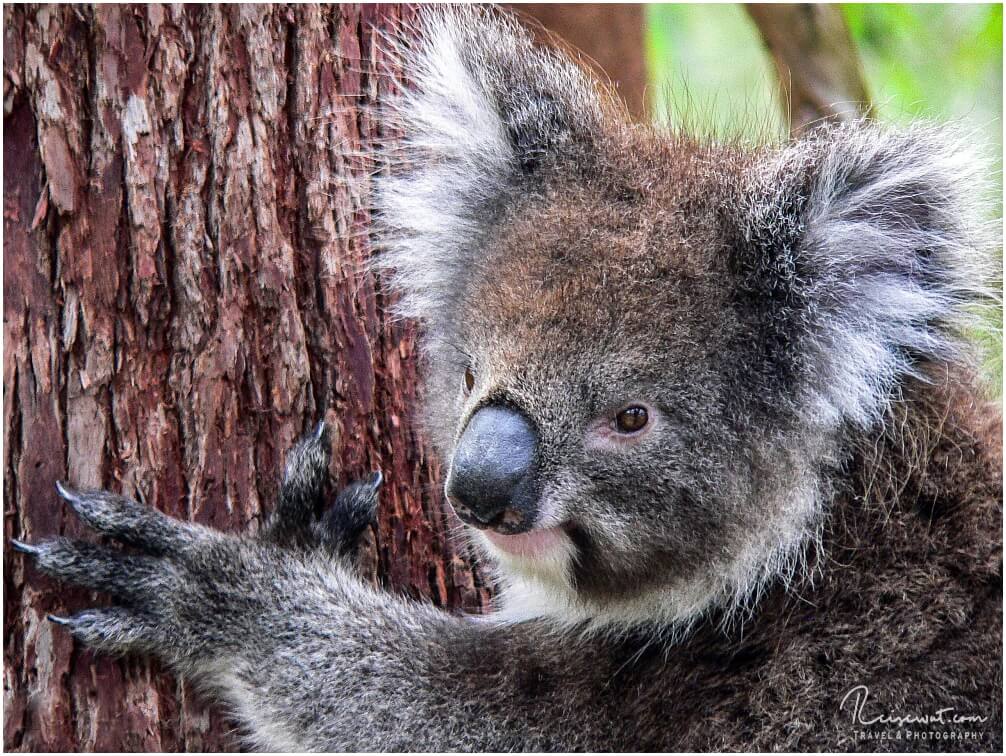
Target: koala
<point>707,410</point>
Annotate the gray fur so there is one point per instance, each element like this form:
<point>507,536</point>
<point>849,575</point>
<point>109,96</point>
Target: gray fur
<point>792,318</point>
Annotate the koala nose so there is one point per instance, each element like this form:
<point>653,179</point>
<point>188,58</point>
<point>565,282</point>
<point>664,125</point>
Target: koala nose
<point>490,484</point>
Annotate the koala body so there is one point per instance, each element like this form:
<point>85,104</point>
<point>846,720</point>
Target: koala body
<point>707,408</point>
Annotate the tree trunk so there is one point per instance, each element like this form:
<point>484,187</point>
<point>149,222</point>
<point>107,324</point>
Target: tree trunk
<point>820,74</point>
<point>610,36</point>
<point>184,295</point>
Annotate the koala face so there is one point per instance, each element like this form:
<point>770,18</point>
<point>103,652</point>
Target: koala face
<point>644,353</point>
<point>600,316</point>
<point>602,333</point>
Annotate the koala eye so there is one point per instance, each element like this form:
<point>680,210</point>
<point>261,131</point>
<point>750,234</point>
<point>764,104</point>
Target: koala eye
<point>631,420</point>
<point>469,381</point>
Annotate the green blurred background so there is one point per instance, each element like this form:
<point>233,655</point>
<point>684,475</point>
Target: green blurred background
<point>709,71</point>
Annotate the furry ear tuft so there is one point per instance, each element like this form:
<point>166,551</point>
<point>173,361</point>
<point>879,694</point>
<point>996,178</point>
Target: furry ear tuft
<point>486,115</point>
<point>870,249</point>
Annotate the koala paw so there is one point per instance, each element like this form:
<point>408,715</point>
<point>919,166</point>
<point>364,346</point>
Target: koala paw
<point>300,518</point>
<point>186,591</point>
<point>340,527</point>
<point>151,586</point>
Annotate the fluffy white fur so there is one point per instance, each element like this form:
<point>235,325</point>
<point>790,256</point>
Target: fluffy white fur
<point>896,234</point>
<point>453,159</point>
<point>444,179</point>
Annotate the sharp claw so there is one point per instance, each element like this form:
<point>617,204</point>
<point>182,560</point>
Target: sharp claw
<point>64,621</point>
<point>376,479</point>
<point>24,548</point>
<point>67,493</point>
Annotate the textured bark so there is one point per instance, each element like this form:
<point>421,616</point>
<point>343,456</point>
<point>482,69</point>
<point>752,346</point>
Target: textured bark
<point>184,294</point>
<point>610,36</point>
<point>819,69</point>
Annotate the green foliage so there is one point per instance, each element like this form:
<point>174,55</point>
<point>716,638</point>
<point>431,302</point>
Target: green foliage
<point>710,71</point>
<point>932,61</point>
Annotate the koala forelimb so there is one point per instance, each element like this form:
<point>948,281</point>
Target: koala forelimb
<point>305,655</point>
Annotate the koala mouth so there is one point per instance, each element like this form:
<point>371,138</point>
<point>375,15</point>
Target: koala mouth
<point>533,544</point>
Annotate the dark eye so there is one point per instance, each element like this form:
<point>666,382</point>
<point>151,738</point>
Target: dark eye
<point>469,381</point>
<point>631,419</point>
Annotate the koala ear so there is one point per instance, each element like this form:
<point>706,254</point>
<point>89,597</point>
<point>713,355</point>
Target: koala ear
<point>865,250</point>
<point>486,115</point>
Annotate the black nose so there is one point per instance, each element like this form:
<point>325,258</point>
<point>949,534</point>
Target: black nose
<point>491,481</point>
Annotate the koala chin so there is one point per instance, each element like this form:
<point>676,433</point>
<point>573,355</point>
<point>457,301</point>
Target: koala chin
<point>707,407</point>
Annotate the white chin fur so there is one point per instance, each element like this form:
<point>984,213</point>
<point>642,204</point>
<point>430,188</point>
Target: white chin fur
<point>541,587</point>
<point>549,571</point>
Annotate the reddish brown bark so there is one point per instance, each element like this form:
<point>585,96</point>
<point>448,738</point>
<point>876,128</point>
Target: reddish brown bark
<point>184,294</point>
<point>610,36</point>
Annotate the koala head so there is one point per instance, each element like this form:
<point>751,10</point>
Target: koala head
<point>645,353</point>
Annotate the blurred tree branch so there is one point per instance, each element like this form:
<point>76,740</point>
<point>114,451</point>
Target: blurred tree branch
<point>610,35</point>
<point>819,68</point>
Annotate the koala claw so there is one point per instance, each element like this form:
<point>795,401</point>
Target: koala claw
<point>118,630</point>
<point>67,493</point>
<point>24,548</point>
